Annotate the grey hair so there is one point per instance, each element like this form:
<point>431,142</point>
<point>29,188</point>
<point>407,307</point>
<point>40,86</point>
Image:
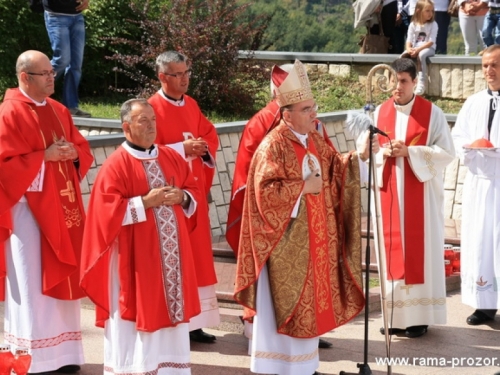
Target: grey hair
<point>169,57</point>
<point>126,108</point>
<point>287,68</point>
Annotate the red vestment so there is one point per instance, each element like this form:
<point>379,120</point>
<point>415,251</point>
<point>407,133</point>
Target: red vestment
<point>254,132</point>
<point>313,260</point>
<point>26,131</point>
<point>143,254</point>
<point>176,124</point>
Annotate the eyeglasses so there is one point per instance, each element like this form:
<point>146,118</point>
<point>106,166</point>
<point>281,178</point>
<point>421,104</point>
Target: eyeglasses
<point>307,110</point>
<point>187,73</point>
<point>46,74</point>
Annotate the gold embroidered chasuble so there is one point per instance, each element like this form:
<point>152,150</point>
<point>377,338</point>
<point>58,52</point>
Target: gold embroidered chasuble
<point>314,259</point>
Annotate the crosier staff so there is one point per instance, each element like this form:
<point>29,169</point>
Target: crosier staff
<point>357,123</point>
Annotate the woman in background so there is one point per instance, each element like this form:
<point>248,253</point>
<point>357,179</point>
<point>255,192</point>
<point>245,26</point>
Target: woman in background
<point>471,18</point>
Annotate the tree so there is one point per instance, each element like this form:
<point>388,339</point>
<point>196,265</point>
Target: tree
<point>21,30</point>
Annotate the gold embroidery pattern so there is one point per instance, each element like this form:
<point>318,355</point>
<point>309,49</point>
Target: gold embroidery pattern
<point>69,191</point>
<point>72,217</point>
<point>288,264</point>
<point>415,140</point>
<point>285,357</point>
<point>429,162</point>
<point>415,302</point>
<point>277,174</point>
<point>322,279</point>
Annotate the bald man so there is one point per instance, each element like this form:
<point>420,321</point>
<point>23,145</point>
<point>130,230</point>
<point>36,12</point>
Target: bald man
<point>43,157</point>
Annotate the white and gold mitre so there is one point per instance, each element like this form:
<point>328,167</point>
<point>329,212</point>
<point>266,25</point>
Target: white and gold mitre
<point>293,86</point>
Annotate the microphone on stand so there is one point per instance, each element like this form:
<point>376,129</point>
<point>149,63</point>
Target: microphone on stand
<point>373,129</point>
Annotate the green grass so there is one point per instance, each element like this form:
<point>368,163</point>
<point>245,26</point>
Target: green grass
<point>374,282</point>
<point>331,93</point>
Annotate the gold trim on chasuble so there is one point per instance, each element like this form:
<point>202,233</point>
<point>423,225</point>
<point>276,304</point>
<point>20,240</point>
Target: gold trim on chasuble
<point>301,296</point>
<point>166,224</point>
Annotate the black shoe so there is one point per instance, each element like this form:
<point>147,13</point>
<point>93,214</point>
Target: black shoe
<point>77,112</point>
<point>199,336</point>
<point>323,344</point>
<point>415,331</point>
<point>318,373</point>
<point>68,369</point>
<point>477,318</point>
<point>392,331</point>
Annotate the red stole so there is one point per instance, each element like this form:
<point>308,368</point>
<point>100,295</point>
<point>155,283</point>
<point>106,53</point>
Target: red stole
<point>407,264</point>
<point>318,243</point>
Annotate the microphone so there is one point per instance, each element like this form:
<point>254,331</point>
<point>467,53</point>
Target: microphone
<point>373,129</point>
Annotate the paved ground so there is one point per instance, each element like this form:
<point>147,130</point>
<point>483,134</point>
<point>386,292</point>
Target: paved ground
<point>447,343</point>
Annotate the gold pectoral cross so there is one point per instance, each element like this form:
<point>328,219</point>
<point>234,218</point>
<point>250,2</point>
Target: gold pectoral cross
<point>69,191</point>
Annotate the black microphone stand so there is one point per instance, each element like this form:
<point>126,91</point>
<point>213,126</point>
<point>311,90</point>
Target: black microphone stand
<point>364,368</point>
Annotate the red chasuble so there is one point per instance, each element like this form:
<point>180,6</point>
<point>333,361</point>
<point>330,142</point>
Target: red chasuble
<point>313,260</point>
<point>26,131</point>
<point>176,124</point>
<point>158,286</point>
<point>405,259</point>
<point>255,130</point>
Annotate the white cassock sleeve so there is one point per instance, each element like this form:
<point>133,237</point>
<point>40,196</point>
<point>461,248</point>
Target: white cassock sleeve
<point>431,160</point>
<point>136,213</point>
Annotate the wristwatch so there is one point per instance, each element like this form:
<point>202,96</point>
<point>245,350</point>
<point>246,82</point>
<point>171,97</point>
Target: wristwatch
<point>185,197</point>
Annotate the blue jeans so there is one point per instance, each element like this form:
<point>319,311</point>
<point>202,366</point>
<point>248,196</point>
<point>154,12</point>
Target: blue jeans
<point>67,39</point>
<point>491,23</point>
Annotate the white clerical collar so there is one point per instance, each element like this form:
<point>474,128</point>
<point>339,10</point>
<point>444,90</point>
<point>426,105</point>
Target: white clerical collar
<point>178,103</point>
<point>405,108</point>
<point>301,137</point>
<point>141,155</point>
<point>38,104</point>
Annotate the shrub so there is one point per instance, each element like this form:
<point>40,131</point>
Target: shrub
<point>211,34</point>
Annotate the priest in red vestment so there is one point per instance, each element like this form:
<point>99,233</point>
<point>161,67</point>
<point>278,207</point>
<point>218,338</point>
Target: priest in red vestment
<point>137,262</point>
<point>255,130</point>
<point>299,260</point>
<point>43,158</point>
<point>182,127</point>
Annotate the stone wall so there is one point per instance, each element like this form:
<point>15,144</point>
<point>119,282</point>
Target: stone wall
<point>105,140</point>
<point>455,77</point>
<point>454,81</point>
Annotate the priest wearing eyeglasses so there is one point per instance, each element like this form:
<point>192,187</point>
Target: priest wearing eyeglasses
<point>298,274</point>
<point>183,127</point>
<point>43,158</point>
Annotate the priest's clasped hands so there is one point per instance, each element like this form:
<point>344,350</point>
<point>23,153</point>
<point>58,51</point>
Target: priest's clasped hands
<point>61,150</point>
<point>399,149</point>
<point>195,147</point>
<point>163,196</point>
